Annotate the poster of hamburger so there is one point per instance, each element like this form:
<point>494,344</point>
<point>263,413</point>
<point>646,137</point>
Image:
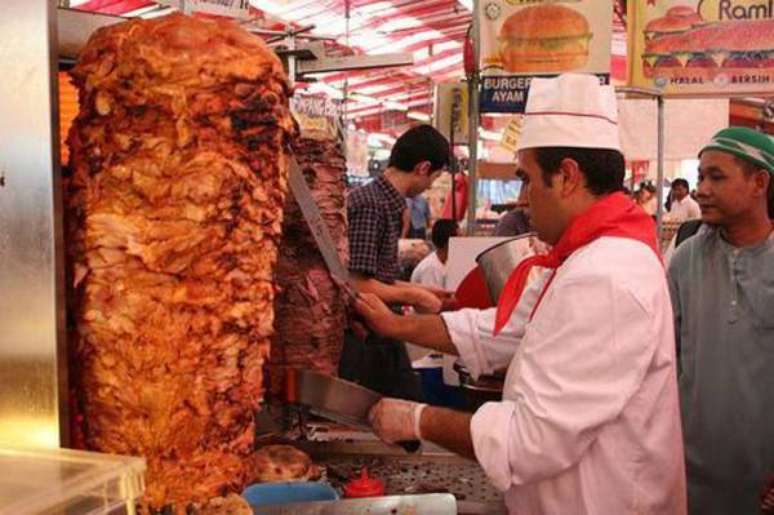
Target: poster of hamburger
<point>521,39</point>
<point>702,47</point>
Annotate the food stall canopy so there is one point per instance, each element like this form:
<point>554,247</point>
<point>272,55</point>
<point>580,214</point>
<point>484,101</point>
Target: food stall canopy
<point>433,31</point>
<point>689,125</point>
<point>379,100</point>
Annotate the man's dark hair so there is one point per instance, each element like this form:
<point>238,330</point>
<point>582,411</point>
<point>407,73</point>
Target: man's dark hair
<point>420,143</point>
<point>443,229</point>
<point>648,186</point>
<point>749,169</point>
<point>681,182</point>
<point>604,169</point>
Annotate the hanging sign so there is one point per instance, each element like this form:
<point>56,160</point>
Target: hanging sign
<point>317,117</point>
<point>702,47</point>
<point>521,39</point>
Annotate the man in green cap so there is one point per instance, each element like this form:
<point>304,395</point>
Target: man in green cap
<point>722,287</point>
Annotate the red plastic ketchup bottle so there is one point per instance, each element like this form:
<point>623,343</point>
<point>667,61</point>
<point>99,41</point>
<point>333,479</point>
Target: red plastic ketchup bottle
<point>364,486</point>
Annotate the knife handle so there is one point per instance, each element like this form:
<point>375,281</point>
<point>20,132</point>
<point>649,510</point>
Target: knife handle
<point>410,446</point>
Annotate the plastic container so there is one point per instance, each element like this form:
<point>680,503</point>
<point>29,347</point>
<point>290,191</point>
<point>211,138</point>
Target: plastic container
<point>261,494</point>
<point>435,391</point>
<point>68,481</point>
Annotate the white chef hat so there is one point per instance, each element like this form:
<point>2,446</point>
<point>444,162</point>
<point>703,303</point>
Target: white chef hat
<point>571,110</point>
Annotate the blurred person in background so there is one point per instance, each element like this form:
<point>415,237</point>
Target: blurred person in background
<point>515,221</point>
<point>419,217</point>
<point>646,198</point>
<point>682,207</point>
<point>431,271</point>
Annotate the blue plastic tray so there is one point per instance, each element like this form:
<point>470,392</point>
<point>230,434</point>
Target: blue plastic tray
<point>282,493</point>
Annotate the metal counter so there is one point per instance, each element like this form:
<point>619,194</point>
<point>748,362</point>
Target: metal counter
<point>32,364</point>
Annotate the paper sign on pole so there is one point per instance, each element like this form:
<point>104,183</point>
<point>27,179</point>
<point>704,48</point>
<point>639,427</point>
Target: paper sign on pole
<point>702,47</point>
<point>512,133</point>
<point>521,39</point>
<point>450,108</point>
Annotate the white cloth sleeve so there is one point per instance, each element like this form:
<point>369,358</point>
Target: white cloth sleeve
<point>585,355</point>
<point>471,331</point>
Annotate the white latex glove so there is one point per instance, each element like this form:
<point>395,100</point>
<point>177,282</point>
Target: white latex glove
<point>396,420</point>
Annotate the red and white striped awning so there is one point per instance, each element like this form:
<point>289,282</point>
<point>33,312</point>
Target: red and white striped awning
<point>432,30</point>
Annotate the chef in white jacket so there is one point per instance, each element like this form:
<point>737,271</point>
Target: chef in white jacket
<point>589,422</point>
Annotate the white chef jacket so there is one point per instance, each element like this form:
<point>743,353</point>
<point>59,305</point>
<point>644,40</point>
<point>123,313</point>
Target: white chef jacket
<point>590,421</point>
<point>684,210</point>
<point>430,271</point>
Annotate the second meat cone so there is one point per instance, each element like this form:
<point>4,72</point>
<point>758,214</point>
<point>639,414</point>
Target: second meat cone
<point>311,309</point>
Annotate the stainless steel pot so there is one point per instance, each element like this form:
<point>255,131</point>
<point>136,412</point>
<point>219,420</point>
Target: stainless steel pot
<point>499,261</point>
<point>478,392</point>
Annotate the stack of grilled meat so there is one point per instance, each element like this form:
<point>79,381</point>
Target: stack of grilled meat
<point>311,309</point>
<point>174,215</point>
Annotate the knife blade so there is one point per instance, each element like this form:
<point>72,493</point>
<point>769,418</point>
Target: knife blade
<point>335,399</point>
<point>319,229</point>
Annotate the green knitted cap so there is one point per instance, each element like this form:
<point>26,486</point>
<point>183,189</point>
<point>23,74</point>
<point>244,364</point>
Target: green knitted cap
<point>748,144</point>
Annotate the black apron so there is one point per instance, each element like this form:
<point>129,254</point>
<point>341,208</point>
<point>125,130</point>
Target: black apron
<point>380,364</point>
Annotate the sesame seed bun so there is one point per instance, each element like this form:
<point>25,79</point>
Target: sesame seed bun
<point>544,38</point>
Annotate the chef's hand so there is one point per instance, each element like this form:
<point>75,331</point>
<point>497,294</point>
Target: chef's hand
<point>396,420</point>
<point>376,314</point>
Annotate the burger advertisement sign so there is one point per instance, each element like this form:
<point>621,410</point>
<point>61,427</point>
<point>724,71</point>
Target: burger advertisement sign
<point>521,39</point>
<point>702,47</point>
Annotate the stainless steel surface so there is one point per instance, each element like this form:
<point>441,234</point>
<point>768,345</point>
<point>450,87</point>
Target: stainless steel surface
<point>75,27</point>
<point>498,261</point>
<point>318,228</point>
<point>436,504</point>
<point>476,393</point>
<point>660,167</point>
<point>438,471</point>
<point>335,399</point>
<point>359,62</point>
<point>32,346</point>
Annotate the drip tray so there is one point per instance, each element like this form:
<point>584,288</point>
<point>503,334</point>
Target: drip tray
<point>437,471</point>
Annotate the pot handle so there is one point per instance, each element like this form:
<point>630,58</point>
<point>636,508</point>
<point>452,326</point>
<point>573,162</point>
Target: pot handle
<point>410,446</point>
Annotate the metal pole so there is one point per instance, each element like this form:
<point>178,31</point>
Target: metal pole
<point>345,89</point>
<point>660,173</point>
<point>452,165</point>
<point>473,122</point>
<point>657,94</point>
<point>292,58</point>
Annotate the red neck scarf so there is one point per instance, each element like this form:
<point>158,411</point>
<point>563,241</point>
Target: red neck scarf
<point>614,215</point>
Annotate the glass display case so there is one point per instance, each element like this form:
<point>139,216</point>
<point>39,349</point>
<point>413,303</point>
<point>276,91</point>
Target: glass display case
<point>64,481</point>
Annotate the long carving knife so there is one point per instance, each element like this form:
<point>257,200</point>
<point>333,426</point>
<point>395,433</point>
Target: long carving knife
<point>319,229</point>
